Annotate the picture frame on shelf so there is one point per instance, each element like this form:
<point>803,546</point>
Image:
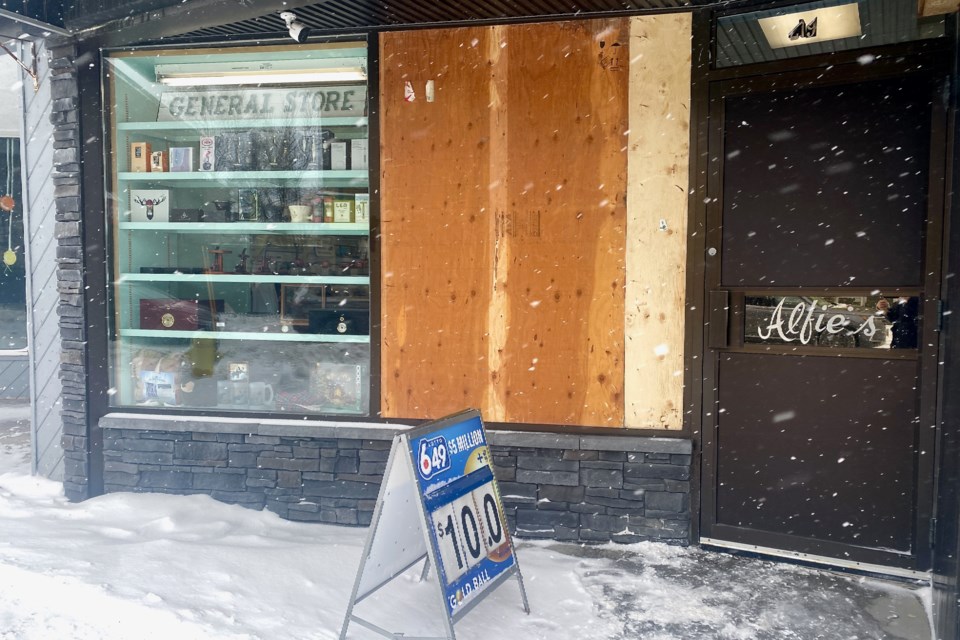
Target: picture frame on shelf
<point>181,159</point>
<point>337,387</point>
<point>149,205</point>
<point>249,205</point>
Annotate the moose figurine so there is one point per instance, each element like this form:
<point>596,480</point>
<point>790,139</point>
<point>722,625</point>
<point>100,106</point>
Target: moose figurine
<point>149,204</point>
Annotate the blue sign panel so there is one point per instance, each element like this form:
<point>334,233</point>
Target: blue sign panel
<point>463,507</point>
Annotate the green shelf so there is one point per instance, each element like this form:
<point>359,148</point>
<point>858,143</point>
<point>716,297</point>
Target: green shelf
<point>232,278</point>
<point>248,178</point>
<point>291,336</point>
<point>285,228</point>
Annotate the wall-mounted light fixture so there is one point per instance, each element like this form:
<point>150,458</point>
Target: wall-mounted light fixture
<point>809,27</point>
<point>301,71</point>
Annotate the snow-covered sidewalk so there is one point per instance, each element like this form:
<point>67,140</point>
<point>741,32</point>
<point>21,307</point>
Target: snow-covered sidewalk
<point>132,566</point>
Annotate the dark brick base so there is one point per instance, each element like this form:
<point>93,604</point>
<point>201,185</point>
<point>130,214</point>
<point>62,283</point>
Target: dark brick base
<point>560,487</point>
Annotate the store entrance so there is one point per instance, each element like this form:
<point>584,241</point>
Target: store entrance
<point>823,249</point>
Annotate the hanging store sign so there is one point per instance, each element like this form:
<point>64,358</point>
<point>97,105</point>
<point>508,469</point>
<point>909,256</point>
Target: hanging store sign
<point>810,27</point>
<point>252,104</point>
<point>439,501</point>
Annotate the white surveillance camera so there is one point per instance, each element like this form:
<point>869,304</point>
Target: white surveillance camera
<point>298,31</point>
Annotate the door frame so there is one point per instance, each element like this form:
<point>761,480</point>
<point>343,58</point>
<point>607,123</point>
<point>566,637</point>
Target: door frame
<point>928,59</point>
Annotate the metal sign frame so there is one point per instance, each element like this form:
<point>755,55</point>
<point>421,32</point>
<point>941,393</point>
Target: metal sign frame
<point>401,478</point>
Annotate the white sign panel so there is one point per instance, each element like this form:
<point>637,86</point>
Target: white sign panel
<point>809,27</point>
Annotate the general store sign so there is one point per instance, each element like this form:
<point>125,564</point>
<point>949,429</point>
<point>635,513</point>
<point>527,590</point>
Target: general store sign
<point>439,502</point>
<point>253,104</point>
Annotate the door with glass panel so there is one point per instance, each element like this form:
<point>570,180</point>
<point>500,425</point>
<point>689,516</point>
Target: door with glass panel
<point>822,285</point>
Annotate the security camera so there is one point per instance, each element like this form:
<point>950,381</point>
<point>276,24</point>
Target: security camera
<point>298,31</point>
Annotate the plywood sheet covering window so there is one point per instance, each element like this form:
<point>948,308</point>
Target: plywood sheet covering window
<point>503,222</point>
<point>658,196</point>
<point>437,248</point>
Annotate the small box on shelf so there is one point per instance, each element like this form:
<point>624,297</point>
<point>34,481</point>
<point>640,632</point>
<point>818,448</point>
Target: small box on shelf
<point>140,157</point>
<point>338,155</point>
<point>342,211</point>
<point>169,315</point>
<point>159,161</point>
<point>186,215</point>
<point>208,159</point>
<point>359,149</point>
<point>361,208</point>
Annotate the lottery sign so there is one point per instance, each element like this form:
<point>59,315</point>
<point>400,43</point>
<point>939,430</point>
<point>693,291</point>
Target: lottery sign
<point>465,516</point>
<point>432,457</point>
<point>458,526</point>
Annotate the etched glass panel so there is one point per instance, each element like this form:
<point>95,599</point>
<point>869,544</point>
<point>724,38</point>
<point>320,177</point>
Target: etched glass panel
<point>862,322</point>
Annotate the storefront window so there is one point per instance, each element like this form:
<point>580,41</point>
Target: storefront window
<point>13,306</point>
<point>238,208</point>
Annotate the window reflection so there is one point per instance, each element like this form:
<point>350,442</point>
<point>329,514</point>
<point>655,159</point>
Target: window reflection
<point>865,322</point>
<point>13,275</point>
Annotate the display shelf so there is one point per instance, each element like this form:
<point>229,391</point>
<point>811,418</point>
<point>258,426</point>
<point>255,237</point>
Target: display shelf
<point>296,228</point>
<point>278,320</point>
<point>263,123</point>
<point>248,178</point>
<point>291,336</point>
<point>230,278</point>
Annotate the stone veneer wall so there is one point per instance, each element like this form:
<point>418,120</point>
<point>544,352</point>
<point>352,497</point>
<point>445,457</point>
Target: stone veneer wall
<point>64,115</point>
<point>555,486</point>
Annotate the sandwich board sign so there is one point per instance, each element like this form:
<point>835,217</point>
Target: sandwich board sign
<point>439,503</point>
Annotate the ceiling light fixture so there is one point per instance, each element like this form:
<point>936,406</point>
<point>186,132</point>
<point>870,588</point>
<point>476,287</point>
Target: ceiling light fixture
<point>277,72</point>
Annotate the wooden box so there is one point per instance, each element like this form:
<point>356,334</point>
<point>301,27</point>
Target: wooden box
<point>169,315</point>
<point>140,157</point>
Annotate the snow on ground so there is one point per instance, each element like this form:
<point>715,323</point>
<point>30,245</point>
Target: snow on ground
<point>131,566</point>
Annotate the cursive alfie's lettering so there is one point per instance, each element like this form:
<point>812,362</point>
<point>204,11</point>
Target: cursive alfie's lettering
<point>804,320</point>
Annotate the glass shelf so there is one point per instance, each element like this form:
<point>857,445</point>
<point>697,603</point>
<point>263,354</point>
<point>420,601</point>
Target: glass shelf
<point>300,228</point>
<point>227,278</point>
<point>291,336</point>
<point>248,178</point>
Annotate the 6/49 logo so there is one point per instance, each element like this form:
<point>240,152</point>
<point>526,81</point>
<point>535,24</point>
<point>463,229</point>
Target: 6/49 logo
<point>432,457</point>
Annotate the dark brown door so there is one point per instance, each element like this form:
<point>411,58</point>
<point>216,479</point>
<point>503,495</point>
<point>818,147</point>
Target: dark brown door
<point>822,280</point>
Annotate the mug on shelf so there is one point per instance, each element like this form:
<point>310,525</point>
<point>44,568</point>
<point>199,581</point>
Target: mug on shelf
<point>300,212</point>
<point>261,393</point>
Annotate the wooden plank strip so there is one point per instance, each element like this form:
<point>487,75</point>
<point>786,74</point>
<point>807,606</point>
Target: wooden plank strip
<point>498,313</point>
<point>657,223</point>
<point>564,230</point>
<point>435,218</point>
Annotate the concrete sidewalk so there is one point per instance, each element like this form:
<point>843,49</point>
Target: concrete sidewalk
<point>693,594</point>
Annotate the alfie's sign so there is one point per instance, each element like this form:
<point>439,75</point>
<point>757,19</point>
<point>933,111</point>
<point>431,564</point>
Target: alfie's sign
<point>250,104</point>
<point>801,322</point>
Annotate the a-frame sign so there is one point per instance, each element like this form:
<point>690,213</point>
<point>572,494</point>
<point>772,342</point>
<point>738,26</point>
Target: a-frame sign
<point>439,502</point>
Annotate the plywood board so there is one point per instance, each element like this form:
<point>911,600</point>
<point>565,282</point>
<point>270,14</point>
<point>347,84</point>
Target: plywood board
<point>503,222</point>
<point>435,221</point>
<point>562,233</point>
<point>659,143</point>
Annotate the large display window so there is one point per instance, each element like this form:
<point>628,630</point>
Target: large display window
<point>238,214</point>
